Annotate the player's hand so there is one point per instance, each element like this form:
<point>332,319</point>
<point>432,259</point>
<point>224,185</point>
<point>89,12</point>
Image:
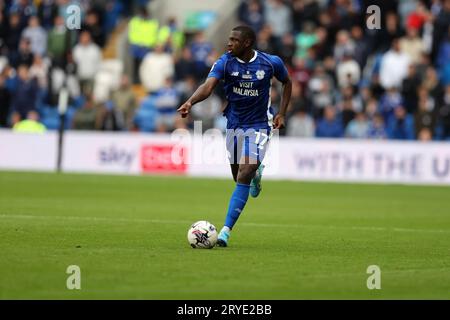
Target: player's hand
<point>279,122</point>
<point>185,109</point>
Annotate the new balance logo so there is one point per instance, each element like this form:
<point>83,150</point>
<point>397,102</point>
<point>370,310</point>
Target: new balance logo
<point>235,74</point>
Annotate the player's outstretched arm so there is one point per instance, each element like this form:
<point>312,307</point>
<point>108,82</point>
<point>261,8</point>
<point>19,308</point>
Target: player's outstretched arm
<point>202,92</point>
<point>279,121</point>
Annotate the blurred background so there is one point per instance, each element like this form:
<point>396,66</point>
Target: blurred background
<point>132,63</point>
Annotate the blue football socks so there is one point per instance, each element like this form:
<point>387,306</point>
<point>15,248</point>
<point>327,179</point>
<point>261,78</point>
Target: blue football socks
<point>237,204</point>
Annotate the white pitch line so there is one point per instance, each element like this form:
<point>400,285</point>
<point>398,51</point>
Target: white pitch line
<point>250,224</point>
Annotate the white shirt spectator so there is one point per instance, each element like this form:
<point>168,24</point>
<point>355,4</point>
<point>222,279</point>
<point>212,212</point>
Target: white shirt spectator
<point>348,73</point>
<point>88,58</point>
<point>394,68</point>
<point>155,69</point>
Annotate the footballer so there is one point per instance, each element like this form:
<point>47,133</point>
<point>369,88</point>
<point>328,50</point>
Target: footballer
<point>247,79</point>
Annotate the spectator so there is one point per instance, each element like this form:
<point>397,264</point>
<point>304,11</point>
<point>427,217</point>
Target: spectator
<point>412,45</point>
<point>345,13</point>
<point>348,93</point>
<point>93,26</point>
<point>298,101</point>
<point>394,66</point>
<point>30,125</point>
<point>265,41</point>
<point>5,101</point>
<point>3,33</point>
<point>39,70</point>
<point>251,13</point>
<point>431,84</point>
<point>358,128</point>
<point>305,40</point>
<point>171,37</point>
<point>111,15</point>
<point>25,9</point>
<point>428,100</point>
<point>300,124</point>
<point>278,16</point>
<point>25,97</point>
<point>417,18</point>
<point>304,10</point>
<point>371,109</point>
<point>57,42</point>
<point>142,36</point>
<point>421,67</point>
<point>207,111</point>
<point>155,69</point>
<point>37,36</point>
<point>184,65</point>
<point>14,32</point>
<point>330,126</point>
<point>200,50</point>
<point>344,46</point>
<point>424,118</point>
<point>88,57</point>
<point>23,56</point>
<point>441,26</point>
<point>124,103</point>
<point>332,57</point>
<point>444,113</point>
<point>347,113</point>
<point>362,46</point>
<point>388,102</point>
<point>300,74</point>
<point>320,90</point>
<point>409,89</point>
<point>348,72</point>
<point>377,129</point>
<point>47,11</point>
<point>443,55</point>
<point>401,125</point>
<point>88,117</point>
<point>167,100</point>
<point>424,135</point>
<point>288,51</point>
<point>323,48</point>
<point>389,33</point>
<point>330,25</point>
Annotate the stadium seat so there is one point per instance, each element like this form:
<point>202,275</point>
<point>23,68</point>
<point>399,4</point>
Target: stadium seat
<point>145,118</point>
<point>50,117</point>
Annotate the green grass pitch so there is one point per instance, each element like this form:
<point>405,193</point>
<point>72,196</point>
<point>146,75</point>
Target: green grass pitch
<point>298,240</point>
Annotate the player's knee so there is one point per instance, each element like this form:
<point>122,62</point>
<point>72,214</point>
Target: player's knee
<point>246,173</point>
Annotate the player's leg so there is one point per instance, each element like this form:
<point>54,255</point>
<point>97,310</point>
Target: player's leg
<point>233,152</point>
<point>248,165</point>
<point>234,170</point>
<point>255,184</point>
<point>261,142</point>
<point>238,200</point>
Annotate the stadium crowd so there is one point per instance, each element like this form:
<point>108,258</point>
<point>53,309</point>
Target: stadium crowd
<point>349,80</point>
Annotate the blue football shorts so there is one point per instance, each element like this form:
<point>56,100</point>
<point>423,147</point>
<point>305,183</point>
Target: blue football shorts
<point>250,143</point>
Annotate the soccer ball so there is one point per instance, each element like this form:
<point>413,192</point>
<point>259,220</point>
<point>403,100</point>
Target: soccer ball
<point>203,235</point>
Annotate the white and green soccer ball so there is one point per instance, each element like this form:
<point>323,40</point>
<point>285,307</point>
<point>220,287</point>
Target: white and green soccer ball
<point>202,235</point>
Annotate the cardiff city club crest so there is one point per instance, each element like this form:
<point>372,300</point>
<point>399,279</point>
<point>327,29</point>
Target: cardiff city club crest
<point>260,74</point>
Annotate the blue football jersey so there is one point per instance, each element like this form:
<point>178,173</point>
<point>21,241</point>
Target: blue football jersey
<point>247,88</point>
